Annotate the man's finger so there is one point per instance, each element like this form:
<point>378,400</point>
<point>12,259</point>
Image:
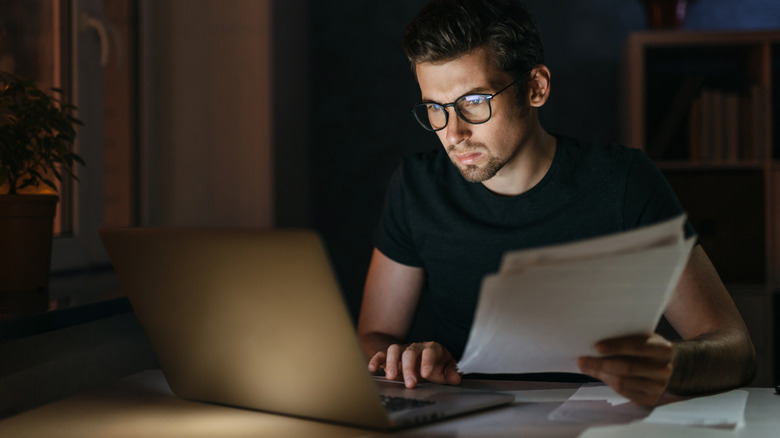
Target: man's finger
<point>451,374</point>
<point>640,391</point>
<point>392,360</point>
<point>654,347</point>
<point>377,361</point>
<point>627,366</point>
<point>410,364</point>
<point>643,384</point>
<point>430,369</point>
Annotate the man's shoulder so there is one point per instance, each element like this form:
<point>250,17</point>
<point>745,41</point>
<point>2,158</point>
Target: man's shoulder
<point>591,156</point>
<point>596,150</point>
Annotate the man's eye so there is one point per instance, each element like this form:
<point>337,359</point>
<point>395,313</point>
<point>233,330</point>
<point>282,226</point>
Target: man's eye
<point>474,100</point>
<point>432,107</point>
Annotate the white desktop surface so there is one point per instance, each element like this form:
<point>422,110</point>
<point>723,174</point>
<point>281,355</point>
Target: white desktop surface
<point>142,405</point>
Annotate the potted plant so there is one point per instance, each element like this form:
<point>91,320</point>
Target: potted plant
<point>37,132</point>
<point>666,14</point>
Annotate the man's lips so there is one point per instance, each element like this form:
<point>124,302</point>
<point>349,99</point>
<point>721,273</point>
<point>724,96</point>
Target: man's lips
<point>468,157</point>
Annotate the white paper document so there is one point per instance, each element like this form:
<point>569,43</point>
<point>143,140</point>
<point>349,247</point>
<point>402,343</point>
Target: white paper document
<point>600,404</point>
<point>548,306</point>
<point>598,392</point>
<point>726,410</point>
<point>648,430</point>
<point>597,403</point>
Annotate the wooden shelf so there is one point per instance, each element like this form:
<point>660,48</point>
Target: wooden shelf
<point>703,106</point>
<point>685,38</point>
<point>714,165</point>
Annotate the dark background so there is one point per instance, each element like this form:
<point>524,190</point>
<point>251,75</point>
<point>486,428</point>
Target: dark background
<point>361,88</point>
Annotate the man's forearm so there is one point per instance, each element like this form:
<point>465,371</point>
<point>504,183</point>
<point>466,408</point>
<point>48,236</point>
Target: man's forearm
<point>711,363</point>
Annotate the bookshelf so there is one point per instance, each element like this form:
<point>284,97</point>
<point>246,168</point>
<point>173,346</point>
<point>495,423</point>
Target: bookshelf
<point>705,107</point>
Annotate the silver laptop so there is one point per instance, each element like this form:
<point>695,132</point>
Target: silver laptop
<point>255,319</point>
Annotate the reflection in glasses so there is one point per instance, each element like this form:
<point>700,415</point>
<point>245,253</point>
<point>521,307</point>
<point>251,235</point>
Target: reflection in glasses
<point>472,108</point>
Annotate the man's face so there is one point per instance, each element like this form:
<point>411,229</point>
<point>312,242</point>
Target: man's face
<point>478,151</point>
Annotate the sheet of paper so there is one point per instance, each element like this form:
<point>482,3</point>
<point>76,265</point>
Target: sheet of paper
<point>596,403</point>
<point>669,231</point>
<point>541,317</point>
<point>600,404</point>
<point>650,430</point>
<point>598,391</point>
<point>597,412</point>
<point>725,410</point>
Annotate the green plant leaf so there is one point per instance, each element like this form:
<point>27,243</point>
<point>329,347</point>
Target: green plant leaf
<point>50,184</point>
<point>77,158</point>
<point>37,132</point>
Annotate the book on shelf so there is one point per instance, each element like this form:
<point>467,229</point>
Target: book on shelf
<point>701,119</point>
<point>716,127</point>
<point>746,132</point>
<point>731,127</point>
<point>695,135</point>
<point>759,96</point>
<point>728,126</point>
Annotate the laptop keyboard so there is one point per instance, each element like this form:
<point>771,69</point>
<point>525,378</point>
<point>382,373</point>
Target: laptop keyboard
<point>395,404</point>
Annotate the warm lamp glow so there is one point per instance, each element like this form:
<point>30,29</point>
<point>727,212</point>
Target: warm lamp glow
<point>43,189</point>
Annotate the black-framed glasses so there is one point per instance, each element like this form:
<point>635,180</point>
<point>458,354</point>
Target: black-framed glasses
<point>471,108</point>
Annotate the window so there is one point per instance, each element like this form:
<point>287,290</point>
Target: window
<point>87,48</point>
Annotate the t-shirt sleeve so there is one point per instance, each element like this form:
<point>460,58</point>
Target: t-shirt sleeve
<point>649,197</point>
<point>393,236</point>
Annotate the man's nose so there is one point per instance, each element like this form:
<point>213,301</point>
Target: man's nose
<point>457,129</point>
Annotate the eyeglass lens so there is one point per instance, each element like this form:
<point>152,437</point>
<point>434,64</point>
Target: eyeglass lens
<point>472,108</point>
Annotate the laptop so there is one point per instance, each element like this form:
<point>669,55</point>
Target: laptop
<point>255,319</point>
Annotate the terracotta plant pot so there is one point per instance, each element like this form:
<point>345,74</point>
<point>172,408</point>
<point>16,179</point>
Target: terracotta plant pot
<point>26,224</point>
<point>666,14</point>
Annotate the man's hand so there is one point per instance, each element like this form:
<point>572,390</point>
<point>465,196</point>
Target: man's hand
<point>636,367</point>
<point>419,361</point>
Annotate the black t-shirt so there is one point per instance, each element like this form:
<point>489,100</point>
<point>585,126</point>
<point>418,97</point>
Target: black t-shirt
<point>457,231</point>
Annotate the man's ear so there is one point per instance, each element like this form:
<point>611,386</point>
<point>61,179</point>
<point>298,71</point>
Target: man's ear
<point>539,86</point>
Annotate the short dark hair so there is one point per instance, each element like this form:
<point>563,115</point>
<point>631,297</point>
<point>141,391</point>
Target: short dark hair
<point>447,29</point>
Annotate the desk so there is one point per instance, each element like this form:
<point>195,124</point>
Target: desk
<point>142,405</point>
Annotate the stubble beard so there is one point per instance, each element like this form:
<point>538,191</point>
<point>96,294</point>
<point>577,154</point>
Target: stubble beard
<point>477,173</point>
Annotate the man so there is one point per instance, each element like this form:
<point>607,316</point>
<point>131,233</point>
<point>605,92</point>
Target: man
<point>501,182</point>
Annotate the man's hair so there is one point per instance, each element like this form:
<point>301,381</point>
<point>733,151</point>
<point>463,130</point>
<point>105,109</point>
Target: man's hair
<point>447,29</point>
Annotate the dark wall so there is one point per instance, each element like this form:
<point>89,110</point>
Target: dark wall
<point>362,88</point>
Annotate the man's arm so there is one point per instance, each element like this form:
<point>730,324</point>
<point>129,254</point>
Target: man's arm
<point>715,352</point>
<point>390,299</point>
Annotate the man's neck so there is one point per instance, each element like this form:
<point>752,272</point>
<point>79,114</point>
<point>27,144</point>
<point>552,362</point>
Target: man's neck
<point>526,169</point>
